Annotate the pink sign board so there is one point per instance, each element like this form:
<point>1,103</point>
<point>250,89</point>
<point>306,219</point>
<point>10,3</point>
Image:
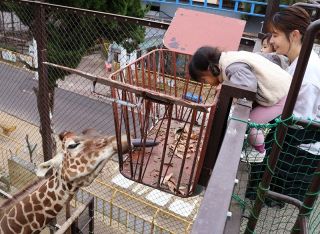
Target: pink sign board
<point>191,29</point>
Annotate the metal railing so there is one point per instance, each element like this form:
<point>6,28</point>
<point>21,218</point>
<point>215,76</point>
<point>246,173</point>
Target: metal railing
<point>243,7</point>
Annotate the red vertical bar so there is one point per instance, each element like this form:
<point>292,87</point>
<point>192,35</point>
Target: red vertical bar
<point>196,166</point>
<point>186,150</point>
<point>165,144</point>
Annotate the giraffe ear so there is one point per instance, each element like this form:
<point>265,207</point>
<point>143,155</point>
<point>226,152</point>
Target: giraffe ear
<point>44,167</point>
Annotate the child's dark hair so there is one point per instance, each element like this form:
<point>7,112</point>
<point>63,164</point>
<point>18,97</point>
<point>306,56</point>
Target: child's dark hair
<point>204,58</point>
<point>290,19</point>
<point>267,37</point>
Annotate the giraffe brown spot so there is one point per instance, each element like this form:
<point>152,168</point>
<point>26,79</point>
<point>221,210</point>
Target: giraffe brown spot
<point>40,219</point>
<point>41,195</point>
<point>93,162</point>
<point>74,167</point>
<point>51,212</point>
<point>14,226</point>
<point>81,169</point>
<point>69,186</point>
<point>43,188</point>
<point>34,225</point>
<point>78,162</point>
<point>52,195</point>
<point>30,217</point>
<point>27,229</point>
<point>61,192</point>
<point>35,199</point>
<point>27,207</point>
<point>21,218</point>
<point>57,183</point>
<point>83,160</point>
<point>12,212</point>
<point>47,202</point>
<point>5,226</point>
<point>38,207</point>
<point>71,160</point>
<point>51,184</point>
<point>19,208</point>
<point>57,207</point>
<point>63,187</point>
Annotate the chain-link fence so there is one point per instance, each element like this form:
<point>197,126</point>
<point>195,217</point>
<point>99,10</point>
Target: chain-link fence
<point>37,98</point>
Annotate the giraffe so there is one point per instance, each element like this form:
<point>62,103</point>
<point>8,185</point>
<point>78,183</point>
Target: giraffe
<point>79,163</point>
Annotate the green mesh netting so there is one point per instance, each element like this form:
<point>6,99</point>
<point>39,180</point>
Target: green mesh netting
<point>294,171</point>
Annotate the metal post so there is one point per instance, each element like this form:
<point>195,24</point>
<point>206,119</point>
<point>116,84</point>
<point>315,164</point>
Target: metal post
<point>219,124</point>
<point>91,216</point>
<point>282,130</point>
<point>43,94</point>
<point>309,200</point>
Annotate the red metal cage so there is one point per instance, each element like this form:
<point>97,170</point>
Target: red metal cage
<point>171,110</point>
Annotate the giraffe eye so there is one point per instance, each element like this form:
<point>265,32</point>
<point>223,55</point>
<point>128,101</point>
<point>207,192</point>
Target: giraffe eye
<point>73,146</point>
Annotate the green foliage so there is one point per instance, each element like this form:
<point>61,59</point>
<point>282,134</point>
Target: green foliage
<point>71,35</point>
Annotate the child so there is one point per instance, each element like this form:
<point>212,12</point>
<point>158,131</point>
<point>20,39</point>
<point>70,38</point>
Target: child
<point>266,46</point>
<point>210,65</point>
<point>268,51</point>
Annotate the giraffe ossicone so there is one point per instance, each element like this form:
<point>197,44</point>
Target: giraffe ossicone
<point>81,160</point>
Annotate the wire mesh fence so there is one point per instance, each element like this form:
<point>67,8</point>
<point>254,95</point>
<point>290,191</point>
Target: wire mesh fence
<point>36,97</point>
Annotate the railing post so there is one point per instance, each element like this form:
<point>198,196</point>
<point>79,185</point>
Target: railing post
<point>43,91</point>
<point>219,124</point>
<point>91,216</point>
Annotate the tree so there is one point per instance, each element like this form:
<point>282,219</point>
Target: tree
<point>69,35</point>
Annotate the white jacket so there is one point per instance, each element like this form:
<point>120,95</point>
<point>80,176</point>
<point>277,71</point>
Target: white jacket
<point>273,82</point>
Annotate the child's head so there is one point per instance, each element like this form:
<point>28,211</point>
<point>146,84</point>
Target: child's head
<point>204,65</point>
<point>266,46</point>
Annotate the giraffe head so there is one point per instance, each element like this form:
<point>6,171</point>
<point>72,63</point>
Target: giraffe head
<point>85,155</point>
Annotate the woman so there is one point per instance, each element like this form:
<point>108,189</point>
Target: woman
<point>288,28</point>
<point>210,65</point>
<point>300,153</point>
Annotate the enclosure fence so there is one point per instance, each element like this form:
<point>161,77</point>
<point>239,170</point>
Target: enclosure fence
<point>35,37</point>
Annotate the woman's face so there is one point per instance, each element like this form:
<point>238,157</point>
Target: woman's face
<point>207,78</point>
<point>280,42</point>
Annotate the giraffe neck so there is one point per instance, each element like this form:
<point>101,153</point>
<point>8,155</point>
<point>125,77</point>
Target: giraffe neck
<point>38,208</point>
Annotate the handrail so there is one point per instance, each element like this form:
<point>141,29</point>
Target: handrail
<point>143,92</point>
<point>212,215</point>
<point>79,11</point>
<point>232,6</point>
<point>74,216</point>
